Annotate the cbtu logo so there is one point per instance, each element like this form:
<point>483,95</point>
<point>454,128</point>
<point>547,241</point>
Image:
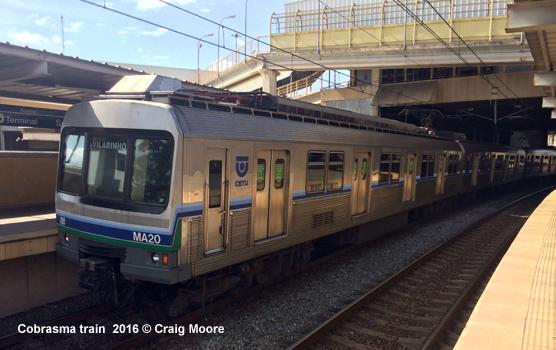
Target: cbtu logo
<point>242,166</point>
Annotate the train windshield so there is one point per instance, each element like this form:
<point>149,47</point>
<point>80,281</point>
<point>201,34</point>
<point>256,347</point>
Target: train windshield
<point>119,167</point>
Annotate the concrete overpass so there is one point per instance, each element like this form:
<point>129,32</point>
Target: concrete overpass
<point>375,39</point>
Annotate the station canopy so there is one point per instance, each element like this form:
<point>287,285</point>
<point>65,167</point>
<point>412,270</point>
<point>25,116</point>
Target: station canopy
<point>42,76</point>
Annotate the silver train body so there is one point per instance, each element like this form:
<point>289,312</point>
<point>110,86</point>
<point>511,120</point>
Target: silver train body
<point>199,184</point>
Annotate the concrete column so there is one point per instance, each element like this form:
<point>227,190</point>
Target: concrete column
<point>376,78</point>
<point>269,80</point>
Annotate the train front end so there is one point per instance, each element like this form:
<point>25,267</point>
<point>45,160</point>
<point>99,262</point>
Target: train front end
<point>119,184</point>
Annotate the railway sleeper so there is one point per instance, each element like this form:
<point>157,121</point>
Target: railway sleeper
<point>422,331</point>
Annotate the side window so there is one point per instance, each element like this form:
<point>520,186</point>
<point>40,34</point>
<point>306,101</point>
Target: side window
<point>279,173</point>
<point>468,162</point>
<point>215,183</point>
<point>432,160</point>
<point>72,167</point>
<point>384,172</point>
<point>395,168</point>
<point>453,163</point>
<point>389,168</point>
<point>364,169</point>
<point>499,164</point>
<point>484,166</point>
<point>261,174</point>
<point>315,172</point>
<point>355,169</point>
<point>335,171</point>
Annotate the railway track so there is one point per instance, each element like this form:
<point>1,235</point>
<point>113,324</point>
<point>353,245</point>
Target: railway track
<point>74,318</point>
<point>415,308</point>
<point>136,339</point>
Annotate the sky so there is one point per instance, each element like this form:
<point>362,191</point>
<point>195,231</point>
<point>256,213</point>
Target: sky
<point>94,33</point>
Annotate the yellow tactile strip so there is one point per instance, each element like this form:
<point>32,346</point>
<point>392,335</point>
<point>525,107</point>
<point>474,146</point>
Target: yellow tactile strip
<point>516,310</point>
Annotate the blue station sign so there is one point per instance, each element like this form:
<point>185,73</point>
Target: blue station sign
<point>31,117</point>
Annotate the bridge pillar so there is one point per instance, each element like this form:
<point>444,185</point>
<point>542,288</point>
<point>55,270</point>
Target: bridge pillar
<point>376,78</point>
<point>269,80</point>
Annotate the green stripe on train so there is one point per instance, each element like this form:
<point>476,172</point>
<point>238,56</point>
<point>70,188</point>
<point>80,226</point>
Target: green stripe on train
<point>175,246</point>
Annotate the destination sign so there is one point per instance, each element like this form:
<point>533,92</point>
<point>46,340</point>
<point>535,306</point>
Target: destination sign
<point>108,145</point>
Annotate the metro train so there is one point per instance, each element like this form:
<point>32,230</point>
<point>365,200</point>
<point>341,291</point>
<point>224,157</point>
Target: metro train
<point>215,191</point>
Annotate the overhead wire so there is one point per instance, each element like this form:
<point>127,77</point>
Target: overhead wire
<point>447,45</point>
<point>470,49</point>
<point>274,47</point>
<point>287,52</point>
<point>231,50</point>
<point>374,37</point>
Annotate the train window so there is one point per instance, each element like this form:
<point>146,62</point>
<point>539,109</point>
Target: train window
<point>315,172</point>
<point>453,163</point>
<point>152,169</point>
<point>355,169</point>
<point>335,171</point>
<point>364,169</point>
<point>261,174</point>
<point>395,168</point>
<point>432,160</point>
<point>424,165</point>
<point>72,166</point>
<point>215,183</point>
<point>511,162</point>
<point>279,173</point>
<point>107,155</point>
<point>499,163</point>
<point>484,165</point>
<point>468,162</point>
<point>384,171</point>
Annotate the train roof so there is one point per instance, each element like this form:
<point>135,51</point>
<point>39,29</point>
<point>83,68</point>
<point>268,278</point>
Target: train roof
<point>173,91</point>
<point>472,147</point>
<point>543,151</point>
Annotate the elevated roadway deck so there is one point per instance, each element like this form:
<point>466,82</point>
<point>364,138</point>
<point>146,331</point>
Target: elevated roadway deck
<point>376,35</point>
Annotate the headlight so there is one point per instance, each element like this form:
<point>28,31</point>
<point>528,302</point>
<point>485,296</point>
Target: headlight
<point>155,258</point>
<point>66,238</point>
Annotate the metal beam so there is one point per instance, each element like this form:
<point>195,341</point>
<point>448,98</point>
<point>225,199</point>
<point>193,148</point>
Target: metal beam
<point>549,102</point>
<point>531,16</point>
<point>545,79</point>
<point>23,71</point>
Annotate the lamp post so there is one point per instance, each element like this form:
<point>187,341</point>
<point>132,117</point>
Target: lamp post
<point>236,36</point>
<point>220,25</point>
<point>198,52</point>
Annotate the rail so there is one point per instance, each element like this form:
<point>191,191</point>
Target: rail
<point>497,244</point>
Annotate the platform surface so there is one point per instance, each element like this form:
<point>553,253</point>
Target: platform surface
<point>517,308</point>
<point>27,231</point>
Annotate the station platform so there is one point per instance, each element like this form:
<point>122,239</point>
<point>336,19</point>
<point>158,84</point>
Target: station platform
<point>31,273</point>
<point>517,310</point>
<point>27,231</point>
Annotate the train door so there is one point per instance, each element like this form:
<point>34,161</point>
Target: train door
<point>410,178</point>
<point>272,194</point>
<point>441,174</point>
<point>216,199</point>
<point>360,187</point>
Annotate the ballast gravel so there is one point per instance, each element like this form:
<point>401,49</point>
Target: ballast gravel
<point>277,317</point>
